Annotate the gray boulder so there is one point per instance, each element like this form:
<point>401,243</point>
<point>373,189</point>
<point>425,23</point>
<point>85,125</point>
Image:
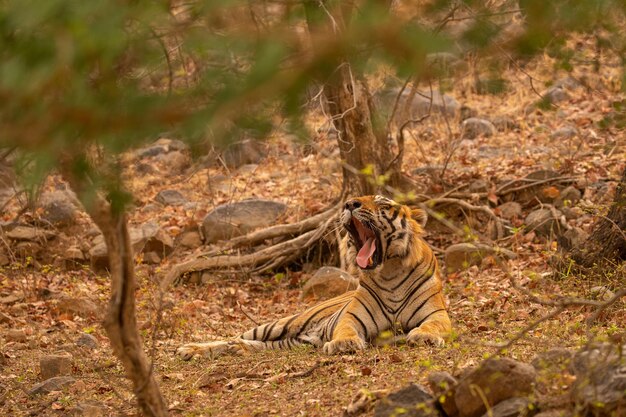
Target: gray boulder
<point>170,198</point>
<point>236,219</point>
<point>513,407</point>
<point>59,207</point>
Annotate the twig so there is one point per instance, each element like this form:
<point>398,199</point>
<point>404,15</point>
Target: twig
<point>246,314</point>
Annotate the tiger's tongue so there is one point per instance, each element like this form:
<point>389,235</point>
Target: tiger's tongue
<point>366,252</point>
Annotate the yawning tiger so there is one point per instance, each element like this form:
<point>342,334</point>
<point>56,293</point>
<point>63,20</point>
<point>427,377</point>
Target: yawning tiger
<point>399,290</point>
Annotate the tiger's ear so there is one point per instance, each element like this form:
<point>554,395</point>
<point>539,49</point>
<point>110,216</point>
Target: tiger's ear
<point>419,216</point>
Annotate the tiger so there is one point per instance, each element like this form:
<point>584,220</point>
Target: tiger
<point>399,291</point>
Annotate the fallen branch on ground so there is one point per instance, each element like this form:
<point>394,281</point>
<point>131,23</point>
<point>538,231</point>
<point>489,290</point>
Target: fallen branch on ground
<point>261,261</point>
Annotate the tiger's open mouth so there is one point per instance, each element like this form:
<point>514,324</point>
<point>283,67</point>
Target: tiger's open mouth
<point>367,242</point>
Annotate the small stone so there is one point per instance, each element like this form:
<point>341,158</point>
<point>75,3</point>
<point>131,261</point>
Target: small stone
<point>568,197</point>
<point>151,258</point>
<point>90,409</point>
<point>496,380</point>
<point>190,239</point>
<point>55,365</point>
<point>87,340</point>
<point>475,127</point>
<point>244,152</point>
<point>478,186</point>
<point>16,335</point>
<point>566,132</point>
<point>513,407</point>
<point>53,384</point>
<point>543,222</point>
<point>510,210</point>
<point>413,400</point>
<point>29,233</point>
<point>600,292</point>
<point>170,198</point>
<point>73,253</point>
<point>505,123</point>
<point>175,162</point>
<point>556,359</point>
<point>82,307</point>
<point>328,282</point>
<point>463,255</point>
<point>555,95</point>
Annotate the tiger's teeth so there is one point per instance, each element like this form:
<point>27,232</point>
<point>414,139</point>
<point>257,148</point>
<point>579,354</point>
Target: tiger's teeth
<point>369,261</point>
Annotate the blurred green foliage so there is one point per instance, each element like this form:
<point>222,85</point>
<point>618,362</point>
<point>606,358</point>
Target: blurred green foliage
<point>115,74</point>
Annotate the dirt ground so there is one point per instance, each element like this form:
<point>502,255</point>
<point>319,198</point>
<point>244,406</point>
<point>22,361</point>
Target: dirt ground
<point>485,309</point>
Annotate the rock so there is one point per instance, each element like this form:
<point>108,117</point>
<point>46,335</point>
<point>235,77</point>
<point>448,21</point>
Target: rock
<point>600,387</point>
<point>479,186</point>
<point>504,123</point>
<point>175,162</point>
<point>59,207</point>
<point>4,259</point>
<point>87,340</point>
<point>513,407</point>
<point>151,258</point>
<point>420,104</point>
<point>544,222</point>
<point>236,219</point>
<point>496,380</point>
<point>73,253</point>
<point>53,384</point>
<point>566,132</point>
<point>602,293</point>
<point>170,198</point>
<point>572,238</point>
<point>463,255</point>
<point>244,152</point>
<point>147,238</point>
<point>90,409</point>
<point>555,95</point>
<point>190,239</point>
<point>474,127</point>
<point>413,401</point>
<point>328,282</point>
<point>82,307</point>
<point>16,335</point>
<point>568,197</point>
<point>555,359</point>
<point>29,233</point>
<point>509,210</point>
<point>28,249</point>
<point>55,365</point>
<point>568,83</point>
<point>442,384</point>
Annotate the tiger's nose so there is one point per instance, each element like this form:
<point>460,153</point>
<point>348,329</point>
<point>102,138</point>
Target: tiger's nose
<point>353,204</point>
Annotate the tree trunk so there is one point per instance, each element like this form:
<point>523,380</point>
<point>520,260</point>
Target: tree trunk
<point>119,321</point>
<point>607,241</point>
<point>362,139</point>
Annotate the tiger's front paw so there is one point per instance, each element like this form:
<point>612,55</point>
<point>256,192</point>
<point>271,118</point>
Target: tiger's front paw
<point>417,337</point>
<point>343,345</point>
